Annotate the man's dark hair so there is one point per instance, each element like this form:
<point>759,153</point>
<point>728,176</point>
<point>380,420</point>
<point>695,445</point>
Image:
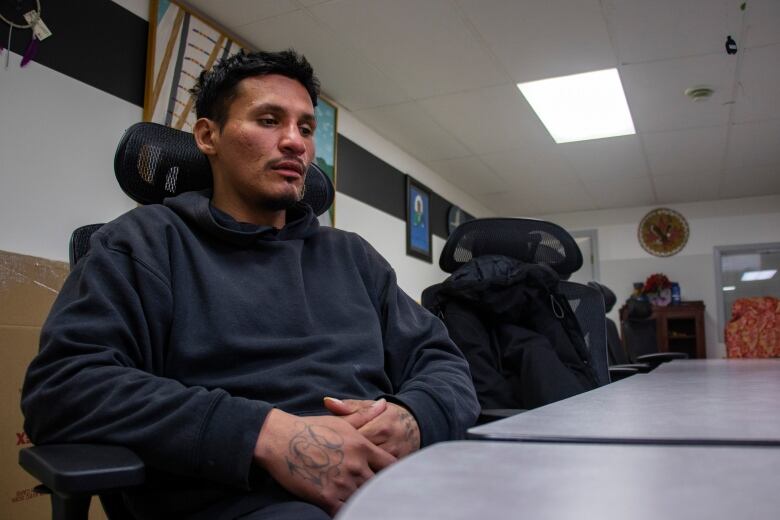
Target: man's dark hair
<point>215,89</point>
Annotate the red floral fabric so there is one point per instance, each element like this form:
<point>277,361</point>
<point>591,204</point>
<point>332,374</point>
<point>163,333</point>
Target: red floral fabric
<point>754,329</point>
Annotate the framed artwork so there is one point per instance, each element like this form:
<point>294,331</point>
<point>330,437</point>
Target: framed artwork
<point>325,138</point>
<point>418,220</point>
<point>455,217</point>
<point>181,45</point>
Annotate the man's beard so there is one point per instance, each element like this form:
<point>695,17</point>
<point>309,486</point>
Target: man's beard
<point>284,202</point>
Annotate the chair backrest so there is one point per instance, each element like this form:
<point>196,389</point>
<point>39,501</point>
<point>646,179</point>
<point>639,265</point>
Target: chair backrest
<point>528,240</point>
<point>79,242</point>
<point>639,329</point>
<point>617,354</point>
<point>588,306</point>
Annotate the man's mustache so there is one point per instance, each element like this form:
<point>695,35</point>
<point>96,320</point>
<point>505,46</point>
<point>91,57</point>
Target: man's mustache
<point>299,164</point>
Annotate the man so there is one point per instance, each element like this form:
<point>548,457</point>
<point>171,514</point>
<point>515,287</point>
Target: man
<point>213,334</point>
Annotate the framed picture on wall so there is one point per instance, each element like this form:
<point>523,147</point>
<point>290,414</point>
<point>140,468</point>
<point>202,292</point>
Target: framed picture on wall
<point>325,138</point>
<point>418,220</point>
<point>181,45</point>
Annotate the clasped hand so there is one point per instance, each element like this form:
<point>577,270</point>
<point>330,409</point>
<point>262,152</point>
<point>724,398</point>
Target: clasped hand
<point>324,459</point>
<point>387,425</point>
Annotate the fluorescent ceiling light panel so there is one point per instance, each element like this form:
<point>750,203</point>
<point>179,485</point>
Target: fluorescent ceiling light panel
<point>752,276</point>
<point>730,288</point>
<point>581,106</point>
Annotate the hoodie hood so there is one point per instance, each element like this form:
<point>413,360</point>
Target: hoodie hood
<point>195,207</point>
<point>499,284</point>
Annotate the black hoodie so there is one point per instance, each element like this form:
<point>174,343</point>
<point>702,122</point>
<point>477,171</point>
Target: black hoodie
<point>179,332</point>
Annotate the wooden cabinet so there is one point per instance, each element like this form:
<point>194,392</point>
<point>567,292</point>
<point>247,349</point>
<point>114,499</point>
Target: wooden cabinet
<point>679,328</point>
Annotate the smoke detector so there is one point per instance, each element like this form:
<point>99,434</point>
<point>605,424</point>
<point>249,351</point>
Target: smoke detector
<point>699,93</point>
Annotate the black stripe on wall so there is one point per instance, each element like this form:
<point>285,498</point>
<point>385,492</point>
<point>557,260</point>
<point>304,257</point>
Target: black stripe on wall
<point>372,181</point>
<point>94,41</point>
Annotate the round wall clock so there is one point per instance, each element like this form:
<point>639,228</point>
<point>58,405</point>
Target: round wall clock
<point>663,232</point>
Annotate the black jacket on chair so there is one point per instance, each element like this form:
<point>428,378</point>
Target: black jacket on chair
<point>520,336</point>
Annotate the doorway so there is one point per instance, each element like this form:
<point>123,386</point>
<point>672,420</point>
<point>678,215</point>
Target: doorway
<point>587,240</point>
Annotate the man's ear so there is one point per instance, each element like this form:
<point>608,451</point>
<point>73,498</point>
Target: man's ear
<point>206,134</point>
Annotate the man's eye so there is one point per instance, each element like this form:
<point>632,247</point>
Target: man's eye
<point>267,121</point>
<point>306,130</point>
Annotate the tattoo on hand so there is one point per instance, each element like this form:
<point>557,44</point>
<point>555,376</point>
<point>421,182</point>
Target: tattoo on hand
<point>315,454</point>
<point>411,433</point>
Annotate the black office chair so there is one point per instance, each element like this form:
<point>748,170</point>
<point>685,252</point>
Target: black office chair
<point>529,241</point>
<point>620,366</point>
<point>640,335</point>
<point>152,162</point>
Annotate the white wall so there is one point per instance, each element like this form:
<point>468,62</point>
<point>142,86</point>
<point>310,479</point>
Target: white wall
<point>57,142</point>
<point>388,235</point>
<point>727,222</point>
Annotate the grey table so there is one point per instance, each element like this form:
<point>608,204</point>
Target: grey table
<point>718,367</point>
<point>552,481</point>
<point>719,402</point>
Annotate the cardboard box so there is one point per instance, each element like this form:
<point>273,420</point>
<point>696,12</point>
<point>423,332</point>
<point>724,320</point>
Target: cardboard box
<point>28,287</point>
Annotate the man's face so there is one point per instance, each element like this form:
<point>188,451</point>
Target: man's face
<point>266,144</point>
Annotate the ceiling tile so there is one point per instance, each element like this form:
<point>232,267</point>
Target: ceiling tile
<point>560,197</point>
<point>237,13</point>
<point>511,204</point>
<point>697,151</point>
<point>662,29</point>
<point>754,144</point>
<point>602,159</point>
<point>489,120</point>
<point>536,40</point>
<point>672,189</point>
<point>470,174</point>
<point>754,182</point>
<point>763,21</point>
<point>408,126</point>
<point>533,166</point>
<point>425,46</point>
<point>758,93</point>
<point>656,92</point>
<point>345,75</point>
<point>621,193</point>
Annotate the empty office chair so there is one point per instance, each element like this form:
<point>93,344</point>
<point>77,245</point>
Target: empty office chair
<point>588,305</point>
<point>620,365</point>
<point>513,318</point>
<point>640,335</point>
<point>152,162</point>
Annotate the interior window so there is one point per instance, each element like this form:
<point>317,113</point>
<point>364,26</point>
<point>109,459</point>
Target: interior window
<point>745,272</point>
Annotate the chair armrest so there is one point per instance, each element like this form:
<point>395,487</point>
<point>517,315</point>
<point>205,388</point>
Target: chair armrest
<point>82,468</point>
<point>618,372</point>
<point>657,358</point>
<point>487,415</point>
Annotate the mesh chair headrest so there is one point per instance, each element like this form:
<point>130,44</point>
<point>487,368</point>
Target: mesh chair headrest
<point>153,162</point>
<point>609,297</point>
<point>528,240</point>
